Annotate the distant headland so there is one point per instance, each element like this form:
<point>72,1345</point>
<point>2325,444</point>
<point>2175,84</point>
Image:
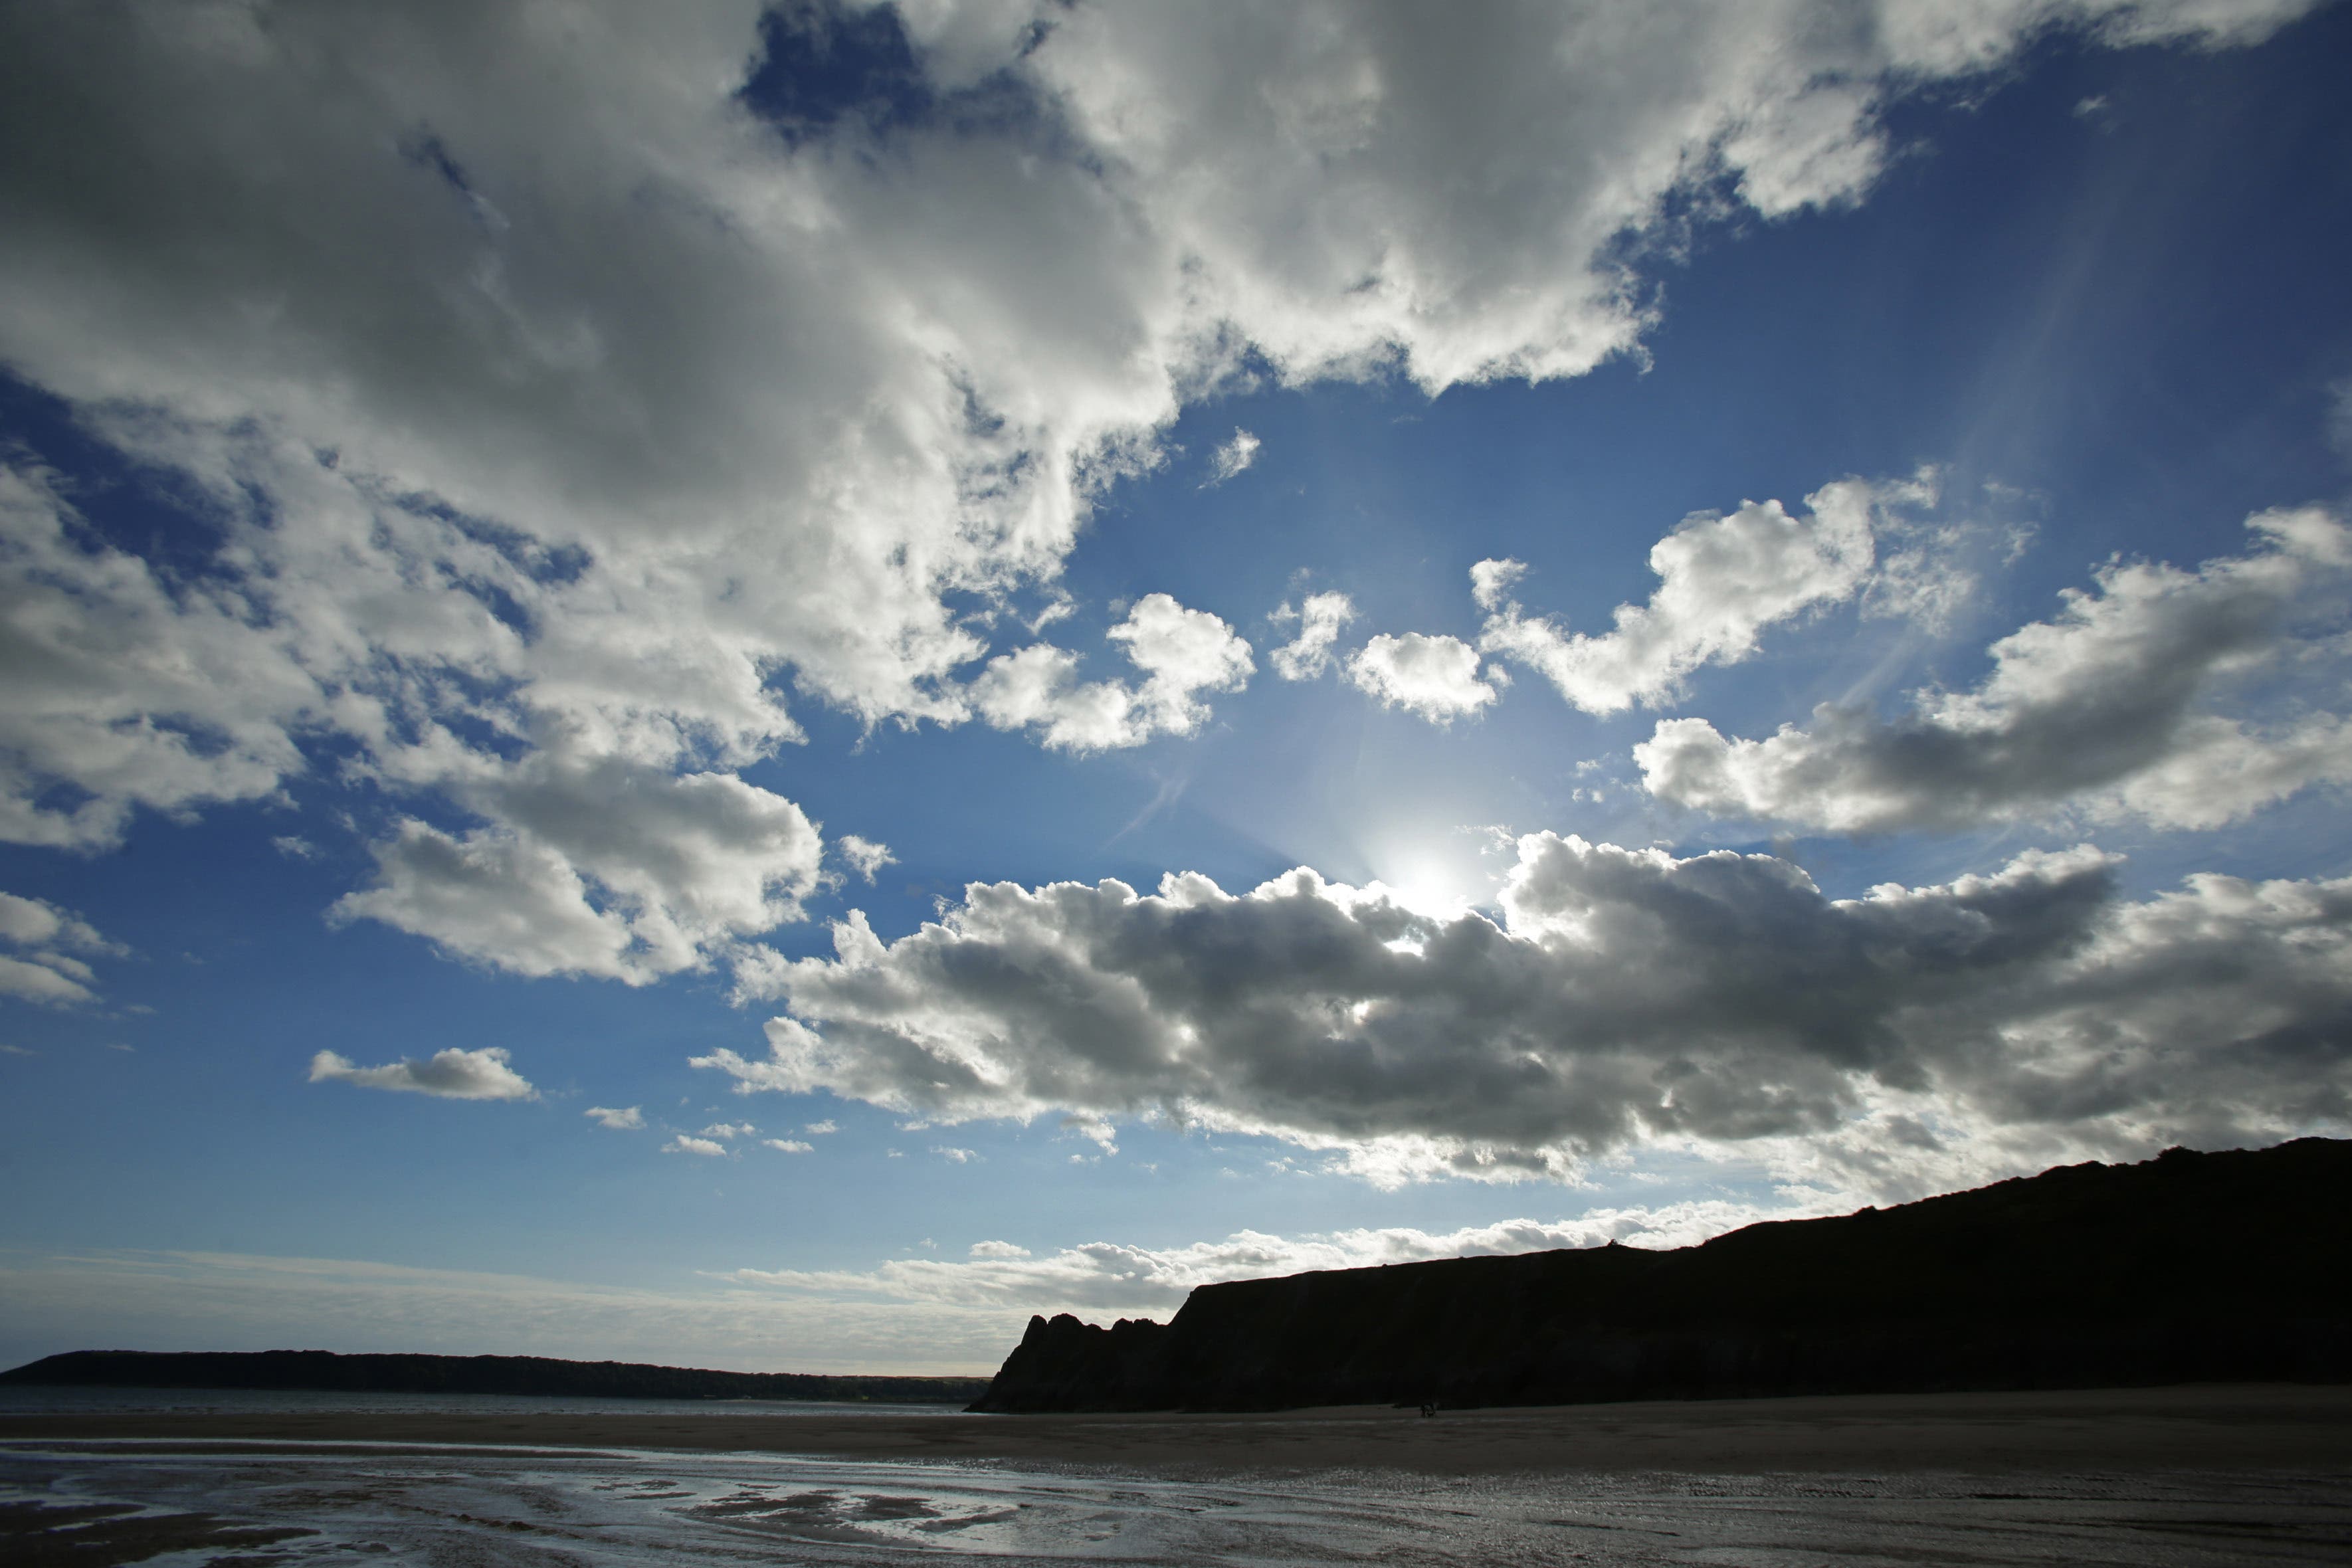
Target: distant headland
<point>2186,1268</point>
<point>525,1374</point>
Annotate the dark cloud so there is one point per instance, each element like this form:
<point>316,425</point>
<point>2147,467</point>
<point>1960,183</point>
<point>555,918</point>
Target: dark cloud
<point>1624,995</point>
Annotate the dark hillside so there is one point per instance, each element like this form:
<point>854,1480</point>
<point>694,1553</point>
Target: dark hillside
<point>2183,1268</point>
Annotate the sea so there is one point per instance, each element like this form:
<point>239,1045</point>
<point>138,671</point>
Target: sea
<point>182,1503</point>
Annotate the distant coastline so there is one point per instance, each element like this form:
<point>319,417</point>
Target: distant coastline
<point>327,1372</point>
<point>2189,1267</point>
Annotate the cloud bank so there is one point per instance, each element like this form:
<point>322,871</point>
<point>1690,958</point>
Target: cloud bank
<point>1621,996</point>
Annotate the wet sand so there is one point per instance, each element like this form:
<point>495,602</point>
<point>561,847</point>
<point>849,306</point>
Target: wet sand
<point>2296,1427</point>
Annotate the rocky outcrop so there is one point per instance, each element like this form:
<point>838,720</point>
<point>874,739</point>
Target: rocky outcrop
<point>324,1370</point>
<point>2183,1268</point>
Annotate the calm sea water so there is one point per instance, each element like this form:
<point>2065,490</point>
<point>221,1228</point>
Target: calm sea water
<point>443,1508</point>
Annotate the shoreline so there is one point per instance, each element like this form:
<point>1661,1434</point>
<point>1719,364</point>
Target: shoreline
<point>2265,1426</point>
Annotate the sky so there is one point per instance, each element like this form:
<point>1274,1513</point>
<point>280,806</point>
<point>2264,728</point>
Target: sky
<point>766,686</point>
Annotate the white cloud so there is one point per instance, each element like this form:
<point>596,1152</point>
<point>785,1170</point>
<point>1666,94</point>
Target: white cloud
<point>1435,678</point>
<point>819,1128</point>
<point>998,1249</point>
<point>1321,617</point>
<point>134,694</point>
<point>1231,457</point>
<point>1625,998</point>
<point>788,1145</point>
<point>1491,582</point>
<point>45,967</point>
<point>1722,580</point>
<point>615,870</point>
<point>45,983</point>
<point>625,1119</point>
<point>294,846</point>
<point>36,923</point>
<point>1181,653</point>
<point>686,1144</point>
<point>865,857</point>
<point>953,1155</point>
<point>1100,1129</point>
<point>729,1130</point>
<point>452,1074</point>
<point>555,426</point>
<point>2133,702</point>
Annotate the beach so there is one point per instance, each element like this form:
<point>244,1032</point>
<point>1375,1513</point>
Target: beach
<point>2218,1427</point>
<point>2188,1476</point>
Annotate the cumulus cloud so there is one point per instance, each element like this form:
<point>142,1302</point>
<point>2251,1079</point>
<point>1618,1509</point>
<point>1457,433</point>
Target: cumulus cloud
<point>1320,618</point>
<point>819,1128</point>
<point>1435,678</point>
<point>558,425</point>
<point>615,870</point>
<point>625,1119</point>
<point>1111,1276</point>
<point>1623,995</point>
<point>2133,702</point>
<point>865,857</point>
<point>452,1074</point>
<point>49,952</point>
<point>688,1143</point>
<point>729,1130</point>
<point>133,694</point>
<point>1181,653</point>
<point>1723,580</point>
<point>788,1145</point>
<point>1232,457</point>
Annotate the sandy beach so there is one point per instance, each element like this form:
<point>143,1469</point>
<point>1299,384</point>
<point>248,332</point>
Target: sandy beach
<point>2223,1427</point>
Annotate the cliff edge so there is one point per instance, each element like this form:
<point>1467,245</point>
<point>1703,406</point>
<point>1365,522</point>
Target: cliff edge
<point>2186,1267</point>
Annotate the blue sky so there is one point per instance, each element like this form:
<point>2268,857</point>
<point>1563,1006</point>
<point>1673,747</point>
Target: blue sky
<point>539,559</point>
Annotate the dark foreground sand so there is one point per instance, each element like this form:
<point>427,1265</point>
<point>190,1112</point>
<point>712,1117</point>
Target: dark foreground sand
<point>2273,1426</point>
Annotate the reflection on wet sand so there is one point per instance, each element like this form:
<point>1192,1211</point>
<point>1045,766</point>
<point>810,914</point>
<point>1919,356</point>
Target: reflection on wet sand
<point>2185,1477</point>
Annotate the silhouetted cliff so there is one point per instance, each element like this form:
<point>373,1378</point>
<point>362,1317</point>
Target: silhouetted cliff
<point>2183,1268</point>
<point>528,1374</point>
